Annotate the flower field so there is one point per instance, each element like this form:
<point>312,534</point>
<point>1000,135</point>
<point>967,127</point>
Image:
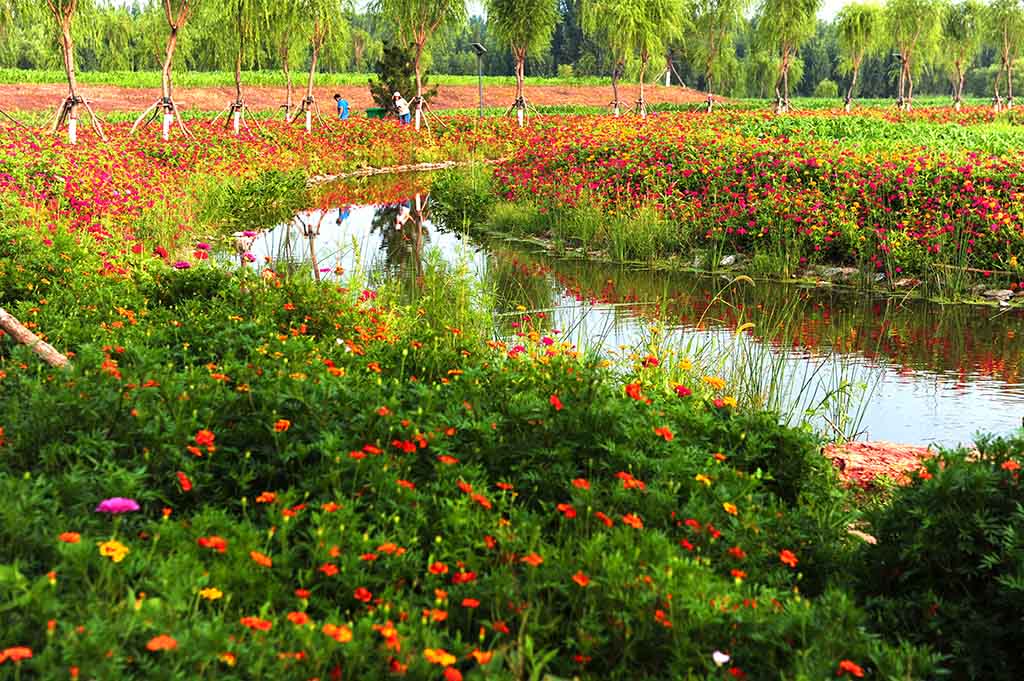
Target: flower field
<point>896,194</point>
<point>246,475</point>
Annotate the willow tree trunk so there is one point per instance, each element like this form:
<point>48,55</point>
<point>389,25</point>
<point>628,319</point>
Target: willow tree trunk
<point>166,84</point>
<point>615,88</point>
<point>908,102</point>
<point>520,55</point>
<point>853,83</point>
<point>1009,85</point>
<point>642,103</point>
<point>236,109</point>
<point>67,43</point>
<point>417,64</point>
<point>309,86</point>
<point>288,87</point>
<point>958,87</point>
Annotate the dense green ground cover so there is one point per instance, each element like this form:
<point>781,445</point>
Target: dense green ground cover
<point>334,482</point>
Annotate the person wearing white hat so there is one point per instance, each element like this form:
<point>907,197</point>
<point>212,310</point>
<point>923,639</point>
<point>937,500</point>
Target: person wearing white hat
<point>402,107</point>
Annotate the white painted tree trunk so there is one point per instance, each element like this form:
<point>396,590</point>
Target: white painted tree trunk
<point>237,120</point>
<point>309,121</point>
<point>519,115</point>
<point>168,120</point>
<point>418,117</point>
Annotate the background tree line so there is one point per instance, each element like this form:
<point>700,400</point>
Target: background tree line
<point>733,47</point>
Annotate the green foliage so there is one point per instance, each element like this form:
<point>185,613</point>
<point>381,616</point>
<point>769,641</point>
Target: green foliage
<point>859,27</point>
<point>948,568</point>
<point>395,74</point>
<point>524,25</point>
<point>826,88</point>
<point>714,24</point>
<point>271,198</point>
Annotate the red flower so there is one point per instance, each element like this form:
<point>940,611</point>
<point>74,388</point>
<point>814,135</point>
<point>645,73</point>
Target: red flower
<point>604,518</point>
<point>438,568</point>
<point>329,569</point>
<point>470,603</point>
<point>363,595</point>
<point>261,559</point>
<point>633,521</point>
<point>205,438</point>
<point>664,432</point>
<point>788,557</point>
<point>15,654</point>
<point>532,559</point>
<point>851,668</point>
<point>281,425</point>
<point>683,391</point>
<point>567,510</point>
<point>633,390</point>
<point>298,618</point>
<point>581,579</point>
<point>186,484</point>
<point>580,483</point>
<point>555,402</point>
<point>266,498</point>
<point>161,642</point>
<point>70,537</point>
<point>256,624</point>
<point>218,544</point>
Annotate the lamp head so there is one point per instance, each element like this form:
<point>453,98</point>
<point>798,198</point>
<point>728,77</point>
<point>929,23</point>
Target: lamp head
<point>479,49</point>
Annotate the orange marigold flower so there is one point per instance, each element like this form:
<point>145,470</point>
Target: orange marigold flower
<point>580,483</point>
<point>581,578</point>
<point>298,618</point>
<point>15,654</point>
<point>851,668</point>
<point>470,603</point>
<point>439,656</point>
<point>604,518</point>
<point>383,411</point>
<point>788,557</point>
<point>447,460</point>
<point>452,674</point>
<point>482,657</point>
<point>186,484</point>
<point>281,425</point>
<point>482,500</point>
<point>438,568</point>
<point>738,574</point>
<point>633,521</point>
<point>730,508</point>
<point>339,633</point>
<point>435,614</point>
<point>330,507</point>
<point>256,624</point>
<point>70,537</point>
<point>567,510</point>
<point>266,498</point>
<point>633,390</point>
<point>205,438</point>
<point>532,559</point>
<point>261,559</point>
<point>504,486</point>
<point>406,484</point>
<point>1010,465</point>
<point>161,642</point>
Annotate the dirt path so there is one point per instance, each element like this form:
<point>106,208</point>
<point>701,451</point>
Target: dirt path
<point>108,98</point>
<point>859,463</point>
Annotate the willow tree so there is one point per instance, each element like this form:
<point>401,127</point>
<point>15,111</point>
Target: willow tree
<point>913,27</point>
<point>1005,27</point>
<point>632,27</point>
<point>526,25</point>
<point>176,14</point>
<point>715,24</point>
<point>858,26</point>
<point>962,31</point>
<point>63,12</point>
<point>321,19</point>
<point>246,17</point>
<point>417,21</point>
<point>284,34</point>
<point>786,25</point>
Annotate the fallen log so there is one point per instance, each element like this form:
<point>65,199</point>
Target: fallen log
<point>18,332</point>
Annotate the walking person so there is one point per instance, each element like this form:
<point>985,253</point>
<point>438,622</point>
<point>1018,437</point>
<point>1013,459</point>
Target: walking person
<point>402,107</point>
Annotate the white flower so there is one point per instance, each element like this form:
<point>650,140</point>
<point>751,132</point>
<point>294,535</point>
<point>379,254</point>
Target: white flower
<point>719,658</point>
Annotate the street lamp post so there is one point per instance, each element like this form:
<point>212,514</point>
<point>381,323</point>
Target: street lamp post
<point>480,51</point>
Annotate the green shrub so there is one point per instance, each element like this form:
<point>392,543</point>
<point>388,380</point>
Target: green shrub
<point>826,89</point>
<point>948,568</point>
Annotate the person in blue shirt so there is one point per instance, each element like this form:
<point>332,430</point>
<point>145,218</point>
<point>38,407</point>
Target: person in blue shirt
<point>342,107</point>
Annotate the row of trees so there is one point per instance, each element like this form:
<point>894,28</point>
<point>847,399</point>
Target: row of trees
<point>637,33</point>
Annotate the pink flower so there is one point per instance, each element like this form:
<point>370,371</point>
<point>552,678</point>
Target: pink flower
<point>182,265</point>
<point>117,505</point>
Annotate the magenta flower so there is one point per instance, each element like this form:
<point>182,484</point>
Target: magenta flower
<point>248,233</point>
<point>182,265</point>
<point>203,246</point>
<point>117,505</point>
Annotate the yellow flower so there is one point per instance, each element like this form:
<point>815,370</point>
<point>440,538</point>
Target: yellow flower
<point>714,381</point>
<point>730,508</point>
<point>685,364</point>
<point>114,550</point>
<point>700,477</point>
<point>211,593</point>
<point>729,401</point>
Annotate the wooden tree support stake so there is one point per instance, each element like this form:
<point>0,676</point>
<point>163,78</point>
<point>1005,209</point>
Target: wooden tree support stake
<point>18,332</point>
